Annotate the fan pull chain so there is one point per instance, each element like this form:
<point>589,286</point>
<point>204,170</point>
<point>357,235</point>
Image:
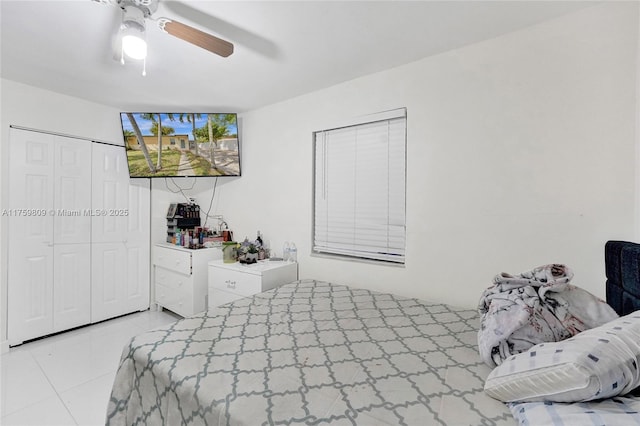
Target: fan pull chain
<point>122,56</point>
<point>144,66</point>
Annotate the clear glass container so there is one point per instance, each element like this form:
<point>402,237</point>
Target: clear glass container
<point>229,252</point>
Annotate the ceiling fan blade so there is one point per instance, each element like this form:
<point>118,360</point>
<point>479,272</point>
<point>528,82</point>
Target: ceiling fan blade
<point>194,36</point>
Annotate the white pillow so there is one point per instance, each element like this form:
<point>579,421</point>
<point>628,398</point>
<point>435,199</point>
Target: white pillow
<point>598,363</point>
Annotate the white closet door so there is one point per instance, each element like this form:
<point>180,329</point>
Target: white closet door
<point>72,233</point>
<point>120,253</point>
<point>72,286</point>
<point>30,233</point>
<point>109,193</point>
<point>137,244</point>
<point>72,191</point>
<point>78,232</point>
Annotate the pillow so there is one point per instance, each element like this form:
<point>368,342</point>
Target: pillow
<point>598,363</point>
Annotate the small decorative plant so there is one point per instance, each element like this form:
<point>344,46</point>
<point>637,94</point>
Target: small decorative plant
<point>248,251</point>
<point>249,246</point>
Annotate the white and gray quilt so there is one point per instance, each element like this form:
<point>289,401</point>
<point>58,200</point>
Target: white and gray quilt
<point>309,353</point>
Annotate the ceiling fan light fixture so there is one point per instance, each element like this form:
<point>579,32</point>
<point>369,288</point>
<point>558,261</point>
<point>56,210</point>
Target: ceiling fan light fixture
<point>134,45</point>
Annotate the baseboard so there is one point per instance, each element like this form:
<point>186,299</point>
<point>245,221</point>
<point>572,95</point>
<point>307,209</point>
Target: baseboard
<point>4,347</point>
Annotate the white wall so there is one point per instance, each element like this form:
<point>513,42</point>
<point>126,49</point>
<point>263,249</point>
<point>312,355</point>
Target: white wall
<point>33,108</point>
<point>521,152</point>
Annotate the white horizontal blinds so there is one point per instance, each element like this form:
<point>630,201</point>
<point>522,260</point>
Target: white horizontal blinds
<point>360,190</point>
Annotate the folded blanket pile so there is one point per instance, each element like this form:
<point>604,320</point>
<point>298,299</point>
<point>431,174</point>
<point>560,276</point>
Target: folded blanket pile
<point>536,306</point>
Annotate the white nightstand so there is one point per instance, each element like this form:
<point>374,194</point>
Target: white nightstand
<point>232,281</point>
<point>181,277</point>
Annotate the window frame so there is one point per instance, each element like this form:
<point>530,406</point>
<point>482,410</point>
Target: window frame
<point>393,255</point>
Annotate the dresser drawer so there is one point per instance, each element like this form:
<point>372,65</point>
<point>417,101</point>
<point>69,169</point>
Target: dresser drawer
<point>220,297</point>
<point>174,300</point>
<point>235,282</point>
<point>172,279</point>
<point>175,260</point>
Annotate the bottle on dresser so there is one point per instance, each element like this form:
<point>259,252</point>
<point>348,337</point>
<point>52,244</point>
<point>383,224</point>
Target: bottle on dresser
<point>293,252</point>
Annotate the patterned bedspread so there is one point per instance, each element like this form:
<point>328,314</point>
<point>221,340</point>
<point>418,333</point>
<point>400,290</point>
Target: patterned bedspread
<point>309,353</point>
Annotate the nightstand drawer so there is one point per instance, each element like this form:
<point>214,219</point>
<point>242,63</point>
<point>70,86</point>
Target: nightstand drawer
<point>220,297</point>
<point>174,300</point>
<point>174,280</point>
<point>234,282</point>
<point>239,280</point>
<point>175,260</point>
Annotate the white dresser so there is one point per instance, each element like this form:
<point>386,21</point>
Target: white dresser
<point>180,277</point>
<point>232,281</point>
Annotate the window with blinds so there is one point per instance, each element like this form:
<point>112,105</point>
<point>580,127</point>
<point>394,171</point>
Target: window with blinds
<point>359,173</point>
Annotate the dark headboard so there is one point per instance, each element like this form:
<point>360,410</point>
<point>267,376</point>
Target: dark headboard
<point>622,264</point>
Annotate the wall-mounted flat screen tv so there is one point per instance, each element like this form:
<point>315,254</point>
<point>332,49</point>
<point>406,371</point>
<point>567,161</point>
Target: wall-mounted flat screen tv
<point>181,144</point>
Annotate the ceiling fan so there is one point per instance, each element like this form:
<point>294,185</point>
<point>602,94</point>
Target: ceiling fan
<point>133,27</point>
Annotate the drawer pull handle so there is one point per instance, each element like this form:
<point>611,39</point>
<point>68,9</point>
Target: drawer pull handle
<point>231,284</point>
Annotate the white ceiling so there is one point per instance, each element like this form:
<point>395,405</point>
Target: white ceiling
<point>282,48</point>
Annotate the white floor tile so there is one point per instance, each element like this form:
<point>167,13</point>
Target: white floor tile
<point>155,319</point>
<point>88,402</point>
<point>71,365</point>
<point>23,382</point>
<point>50,412</point>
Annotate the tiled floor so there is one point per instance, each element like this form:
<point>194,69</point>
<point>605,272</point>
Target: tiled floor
<point>66,379</point>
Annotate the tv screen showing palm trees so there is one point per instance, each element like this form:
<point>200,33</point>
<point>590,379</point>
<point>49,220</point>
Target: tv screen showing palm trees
<point>181,144</point>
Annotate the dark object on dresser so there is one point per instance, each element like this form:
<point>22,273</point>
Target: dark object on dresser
<point>622,265</point>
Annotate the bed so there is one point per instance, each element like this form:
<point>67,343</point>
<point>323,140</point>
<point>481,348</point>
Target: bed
<point>313,352</point>
<point>309,352</point>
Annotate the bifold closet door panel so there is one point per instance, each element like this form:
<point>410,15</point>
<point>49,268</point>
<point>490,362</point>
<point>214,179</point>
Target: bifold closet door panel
<point>30,235</point>
<point>31,188</point>
<point>123,233</point>
<point>30,292</point>
<point>137,244</point>
<point>72,191</point>
<point>110,192</point>
<point>72,286</point>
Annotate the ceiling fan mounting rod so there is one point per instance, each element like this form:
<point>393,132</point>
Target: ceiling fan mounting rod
<point>147,7</point>
<point>133,17</point>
